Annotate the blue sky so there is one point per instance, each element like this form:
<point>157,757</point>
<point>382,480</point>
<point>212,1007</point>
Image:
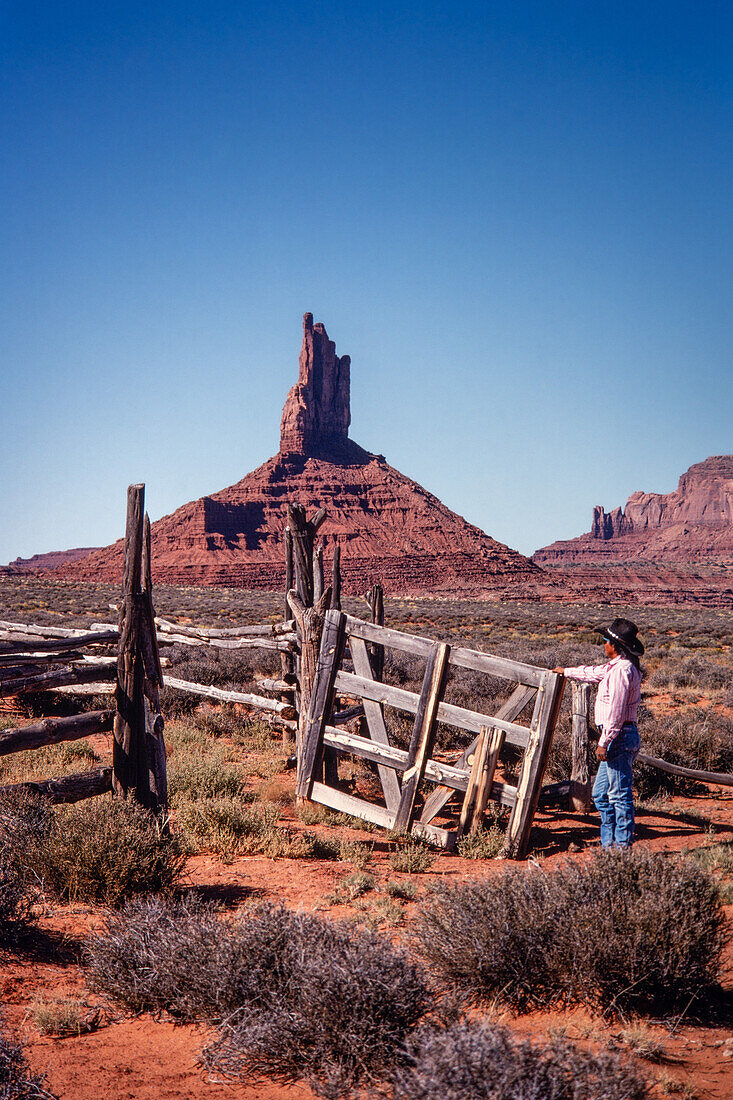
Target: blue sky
<point>515,217</point>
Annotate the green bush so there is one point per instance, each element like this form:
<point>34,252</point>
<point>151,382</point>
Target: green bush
<point>478,1061</point>
<point>105,850</point>
<point>624,930</point>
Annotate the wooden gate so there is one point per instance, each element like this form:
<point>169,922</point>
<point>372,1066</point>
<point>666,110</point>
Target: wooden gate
<point>472,773</point>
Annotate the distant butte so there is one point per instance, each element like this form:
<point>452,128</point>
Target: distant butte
<point>692,526</point>
<point>389,528</point>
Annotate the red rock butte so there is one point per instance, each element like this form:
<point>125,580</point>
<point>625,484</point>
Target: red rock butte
<point>692,526</point>
<point>389,528</point>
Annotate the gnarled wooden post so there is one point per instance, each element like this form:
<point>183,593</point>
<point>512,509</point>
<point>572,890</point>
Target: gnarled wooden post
<point>310,622</point>
<point>287,660</point>
<point>375,598</point>
<point>138,759</point>
<point>336,578</point>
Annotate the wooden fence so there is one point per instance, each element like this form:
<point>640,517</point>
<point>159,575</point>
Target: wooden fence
<point>473,773</point>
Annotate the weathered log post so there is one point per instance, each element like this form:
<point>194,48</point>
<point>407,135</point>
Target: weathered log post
<point>318,582</point>
<point>138,760</point>
<point>303,532</point>
<point>580,784</point>
<point>336,578</point>
<point>375,598</point>
<point>152,683</point>
<point>310,622</point>
<point>287,660</point>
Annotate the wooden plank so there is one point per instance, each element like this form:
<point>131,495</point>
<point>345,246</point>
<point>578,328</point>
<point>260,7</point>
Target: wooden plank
<point>494,742</point>
<point>332,647</point>
<point>367,811</point>
<point>435,771</point>
<point>423,734</point>
<point>375,722</point>
<point>509,710</point>
<point>52,731</point>
<point>580,784</point>
<point>549,697</point>
<point>479,760</point>
<point>259,701</point>
<point>474,659</point>
<point>349,804</point>
<point>448,713</point>
<point>70,788</point>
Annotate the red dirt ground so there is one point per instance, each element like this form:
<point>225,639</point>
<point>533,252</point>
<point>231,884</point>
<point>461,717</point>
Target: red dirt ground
<point>146,1059</point>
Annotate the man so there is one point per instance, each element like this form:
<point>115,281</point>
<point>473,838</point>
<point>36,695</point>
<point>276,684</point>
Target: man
<point>616,710</point>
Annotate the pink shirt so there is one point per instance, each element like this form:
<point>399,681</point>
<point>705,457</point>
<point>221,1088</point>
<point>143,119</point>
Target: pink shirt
<point>619,692</point>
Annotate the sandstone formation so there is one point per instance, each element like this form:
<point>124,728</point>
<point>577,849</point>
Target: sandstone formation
<point>389,528</point>
<point>692,526</point>
<point>51,560</point>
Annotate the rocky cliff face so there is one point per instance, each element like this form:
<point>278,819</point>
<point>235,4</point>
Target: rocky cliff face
<point>317,413</point>
<point>692,525</point>
<point>389,528</point>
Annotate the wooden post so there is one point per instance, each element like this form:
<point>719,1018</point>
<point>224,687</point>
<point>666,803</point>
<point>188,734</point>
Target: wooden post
<point>317,574</point>
<point>310,622</point>
<point>375,598</point>
<point>302,538</point>
<point>154,724</point>
<point>580,784</point>
<point>329,659</point>
<point>138,760</point>
<point>336,578</point>
<point>287,660</point>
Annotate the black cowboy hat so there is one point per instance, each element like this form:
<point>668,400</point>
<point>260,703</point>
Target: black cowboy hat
<point>622,636</point>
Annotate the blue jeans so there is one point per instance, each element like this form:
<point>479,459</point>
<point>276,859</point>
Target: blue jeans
<point>612,790</point>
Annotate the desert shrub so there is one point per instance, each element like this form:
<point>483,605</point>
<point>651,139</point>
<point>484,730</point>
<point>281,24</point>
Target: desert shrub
<point>24,819</point>
<point>158,954</point>
<point>625,930</point>
<point>698,738</point>
<point>297,996</point>
<point>103,850</point>
<point>16,1080</point>
<point>479,1061</point>
<point>405,889</point>
<point>483,844</point>
<point>16,896</point>
<point>412,857</point>
<point>695,672</point>
<point>334,1006</point>
<point>227,826</point>
<point>195,779</point>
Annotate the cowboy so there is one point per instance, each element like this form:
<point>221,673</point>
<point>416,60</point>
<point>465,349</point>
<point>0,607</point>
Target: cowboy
<point>617,706</point>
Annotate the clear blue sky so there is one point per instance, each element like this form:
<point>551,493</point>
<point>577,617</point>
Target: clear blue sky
<point>515,217</point>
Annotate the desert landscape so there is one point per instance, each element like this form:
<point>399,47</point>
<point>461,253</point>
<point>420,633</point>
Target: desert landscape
<point>366,614</point>
<point>245,843</point>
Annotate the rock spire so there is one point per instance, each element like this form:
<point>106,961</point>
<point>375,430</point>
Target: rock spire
<point>316,417</point>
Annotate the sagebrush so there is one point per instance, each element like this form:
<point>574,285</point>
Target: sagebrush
<point>623,931</point>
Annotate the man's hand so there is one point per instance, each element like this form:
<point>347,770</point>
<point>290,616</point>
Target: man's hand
<point>600,753</point>
<point>560,670</point>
